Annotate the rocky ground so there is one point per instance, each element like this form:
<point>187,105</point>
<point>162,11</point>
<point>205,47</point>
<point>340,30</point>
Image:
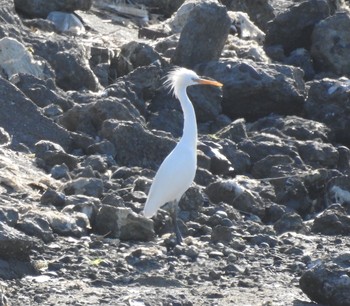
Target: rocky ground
<point>86,121</point>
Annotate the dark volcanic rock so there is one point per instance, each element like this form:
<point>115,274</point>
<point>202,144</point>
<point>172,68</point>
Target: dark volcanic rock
<point>29,125</point>
<point>253,90</point>
<point>203,36</point>
<point>290,222</point>
<point>331,44</point>
<point>328,282</point>
<point>327,103</point>
<point>135,54</point>
<point>292,29</point>
<point>14,244</point>
<point>333,221</point>
<point>41,8</point>
<point>122,223</point>
<point>136,146</point>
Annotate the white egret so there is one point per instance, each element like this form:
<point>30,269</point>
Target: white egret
<point>177,171</point>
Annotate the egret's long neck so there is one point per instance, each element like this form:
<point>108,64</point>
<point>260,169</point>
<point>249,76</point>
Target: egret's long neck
<point>189,135</point>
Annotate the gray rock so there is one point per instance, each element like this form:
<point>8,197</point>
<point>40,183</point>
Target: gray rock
<point>333,221</point>
<point>235,131</point>
<point>203,36</point>
<point>135,54</point>
<point>14,244</point>
<point>123,223</point>
<point>43,92</point>
<point>30,125</point>
<point>254,90</point>
<point>85,186</point>
<point>60,172</point>
<point>11,24</point>
<point>53,197</point>
<point>222,234</point>
<point>292,29</point>
<point>294,126</point>
<point>41,8</point>
<point>104,147</point>
<point>330,44</point>
<point>36,226</point>
<point>88,118</point>
<point>318,154</point>
<point>9,215</point>
<point>328,282</point>
<point>302,58</point>
<point>219,164</point>
<point>69,61</point>
<point>261,12</point>
<point>261,145</point>
<point>135,145</point>
<point>234,192</point>
<point>326,103</point>
<point>53,154</point>
<point>290,222</point>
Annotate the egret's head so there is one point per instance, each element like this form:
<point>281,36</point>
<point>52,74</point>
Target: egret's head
<point>180,78</point>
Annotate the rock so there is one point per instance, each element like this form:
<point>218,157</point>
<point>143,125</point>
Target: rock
<point>292,29</point>
<point>192,201</point>
<point>104,147</point>
<point>222,234</point>
<point>330,44</point>
<point>245,28</point>
<point>9,215</point>
<point>260,12</point>
<point>203,36</point>
<point>328,282</point>
<point>290,222</point>
<point>69,61</point>
<point>333,221</point>
<point>60,172</point>
<point>294,126</point>
<point>15,59</point>
<point>254,90</point>
<point>233,192</point>
<point>135,145</point>
<point>240,161</point>
<point>135,54</point>
<point>43,92</point>
<point>88,118</point>
<point>14,244</point>
<point>123,223</point>
<point>235,131</point>
<point>219,164</point>
<point>53,154</point>
<point>66,22</point>
<point>261,145</point>
<point>326,103</point>
<point>338,191</point>
<point>34,126</point>
<point>36,226</point>
<point>318,154</point>
<point>162,7</point>
<point>41,8</point>
<point>302,58</point>
<point>86,186</point>
<point>53,197</point>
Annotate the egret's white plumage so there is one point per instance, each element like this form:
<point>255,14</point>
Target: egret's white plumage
<point>178,169</point>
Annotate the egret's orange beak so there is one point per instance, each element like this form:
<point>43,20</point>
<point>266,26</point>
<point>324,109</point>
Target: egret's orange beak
<point>209,82</point>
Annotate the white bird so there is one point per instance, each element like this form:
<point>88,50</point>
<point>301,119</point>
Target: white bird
<point>177,171</point>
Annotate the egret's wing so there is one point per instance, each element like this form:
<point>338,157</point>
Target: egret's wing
<point>172,179</point>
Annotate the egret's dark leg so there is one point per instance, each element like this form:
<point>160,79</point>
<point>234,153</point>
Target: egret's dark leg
<point>173,212</point>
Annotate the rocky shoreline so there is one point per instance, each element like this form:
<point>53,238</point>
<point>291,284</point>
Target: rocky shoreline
<point>86,121</point>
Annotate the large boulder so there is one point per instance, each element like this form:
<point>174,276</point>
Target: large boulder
<point>331,44</point>
<point>203,36</point>
<point>292,29</point>
<point>254,90</point>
